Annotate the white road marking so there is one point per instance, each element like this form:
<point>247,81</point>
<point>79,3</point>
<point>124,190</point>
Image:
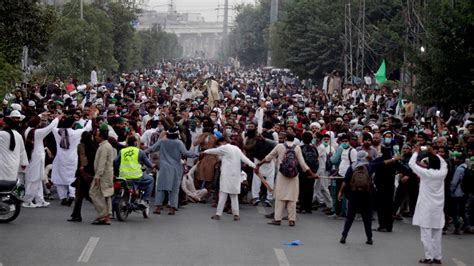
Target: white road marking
<point>458,262</point>
<point>88,249</point>
<point>261,210</point>
<point>282,260</point>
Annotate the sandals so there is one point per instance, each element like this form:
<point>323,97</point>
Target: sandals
<point>157,210</point>
<point>236,218</point>
<point>291,223</point>
<point>215,217</point>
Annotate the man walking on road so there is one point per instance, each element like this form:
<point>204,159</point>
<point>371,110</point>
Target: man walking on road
<point>102,185</point>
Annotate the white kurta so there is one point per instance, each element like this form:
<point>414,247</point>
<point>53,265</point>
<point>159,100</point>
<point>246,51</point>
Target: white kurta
<point>11,160</point>
<point>231,156</point>
<point>430,203</point>
<point>65,162</point>
<point>35,171</point>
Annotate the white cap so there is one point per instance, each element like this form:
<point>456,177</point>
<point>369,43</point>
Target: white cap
<point>16,114</point>
<point>31,104</point>
<point>16,107</point>
<point>315,124</point>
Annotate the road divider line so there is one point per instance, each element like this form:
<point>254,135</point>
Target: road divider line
<point>88,249</point>
<point>261,210</point>
<point>458,262</point>
<point>282,259</point>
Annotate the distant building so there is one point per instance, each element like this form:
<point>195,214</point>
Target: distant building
<point>199,39</point>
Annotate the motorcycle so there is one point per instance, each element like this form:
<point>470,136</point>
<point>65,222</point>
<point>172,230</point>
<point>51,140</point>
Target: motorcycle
<point>10,202</point>
<point>126,199</point>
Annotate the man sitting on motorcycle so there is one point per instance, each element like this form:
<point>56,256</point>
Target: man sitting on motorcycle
<point>129,163</point>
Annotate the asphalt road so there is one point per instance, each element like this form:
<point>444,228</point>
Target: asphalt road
<point>43,237</point>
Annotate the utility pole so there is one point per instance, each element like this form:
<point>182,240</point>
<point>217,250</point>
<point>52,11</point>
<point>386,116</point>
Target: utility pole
<point>225,33</point>
<point>360,52</point>
<point>273,19</point>
<point>348,60</point>
<point>82,9</point>
<point>226,18</point>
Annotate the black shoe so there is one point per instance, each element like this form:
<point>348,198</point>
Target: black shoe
<point>382,230</point>
<point>342,240</point>
<point>64,202</point>
<point>435,261</point>
<point>369,242</point>
<point>270,215</point>
<point>75,219</point>
<point>69,202</point>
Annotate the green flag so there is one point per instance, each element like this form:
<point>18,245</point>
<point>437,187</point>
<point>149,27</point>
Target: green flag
<point>381,75</point>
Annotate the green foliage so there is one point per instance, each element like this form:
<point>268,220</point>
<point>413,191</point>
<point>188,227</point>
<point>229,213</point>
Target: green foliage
<point>247,39</point>
<point>24,23</point>
<point>159,45</point>
<point>123,37</point>
<point>9,73</point>
<point>446,70</point>
<point>74,49</point>
<point>308,39</point>
<point>309,36</point>
<point>105,39</point>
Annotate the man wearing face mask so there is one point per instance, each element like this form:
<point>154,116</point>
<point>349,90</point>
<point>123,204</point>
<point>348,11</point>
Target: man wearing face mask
<point>321,185</point>
<point>384,169</point>
<point>345,155</point>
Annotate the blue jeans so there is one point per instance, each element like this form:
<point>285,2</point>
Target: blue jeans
<point>146,183</point>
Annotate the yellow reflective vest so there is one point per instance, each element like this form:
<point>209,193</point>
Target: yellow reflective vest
<point>130,168</point>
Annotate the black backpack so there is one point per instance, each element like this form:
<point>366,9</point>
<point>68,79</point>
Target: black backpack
<point>311,156</point>
<point>262,148</point>
<point>467,183</point>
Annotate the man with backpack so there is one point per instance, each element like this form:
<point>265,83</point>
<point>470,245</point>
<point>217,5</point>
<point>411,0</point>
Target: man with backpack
<point>357,187</point>
<point>288,156</point>
<point>311,157</point>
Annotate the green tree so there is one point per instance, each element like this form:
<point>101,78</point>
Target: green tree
<point>25,23</point>
<point>247,39</point>
<point>22,23</point>
<point>75,48</point>
<point>123,36</point>
<point>445,70</point>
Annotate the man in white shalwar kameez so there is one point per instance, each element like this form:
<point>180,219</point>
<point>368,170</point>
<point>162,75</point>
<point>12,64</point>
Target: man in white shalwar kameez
<point>65,162</point>
<point>12,153</point>
<point>429,214</point>
<point>35,170</point>
<point>230,179</point>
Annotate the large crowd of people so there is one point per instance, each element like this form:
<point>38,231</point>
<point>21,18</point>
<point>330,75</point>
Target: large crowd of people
<point>256,136</point>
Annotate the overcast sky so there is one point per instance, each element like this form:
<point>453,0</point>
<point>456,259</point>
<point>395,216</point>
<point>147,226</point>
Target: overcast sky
<point>212,10</point>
